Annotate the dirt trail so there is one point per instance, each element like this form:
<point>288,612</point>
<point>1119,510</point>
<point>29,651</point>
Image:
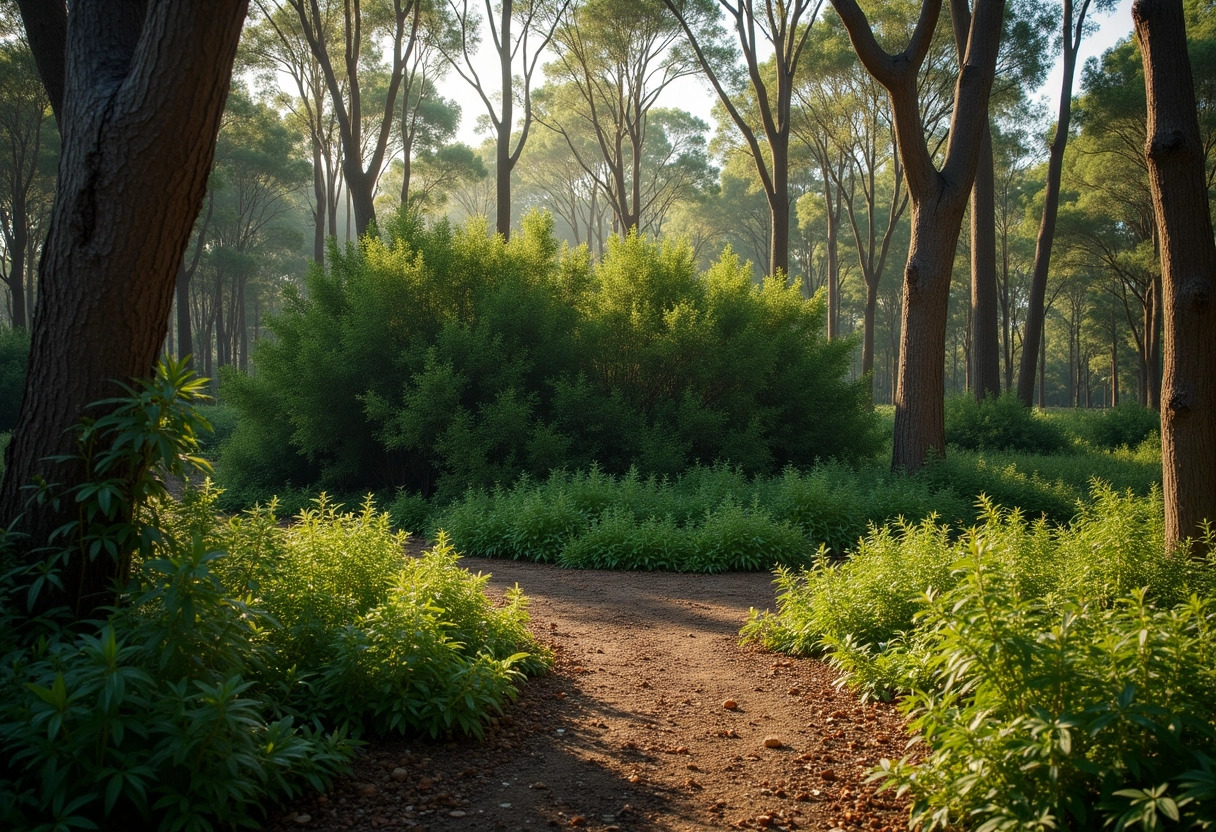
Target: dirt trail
<point>630,731</point>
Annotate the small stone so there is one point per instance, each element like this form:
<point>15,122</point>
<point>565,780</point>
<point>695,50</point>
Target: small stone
<point>773,741</point>
<point>635,778</point>
<point>828,774</point>
<point>400,774</point>
<point>578,820</point>
<point>457,813</point>
<point>538,785</point>
<point>426,784</point>
<point>730,705</point>
<point>368,790</point>
<point>303,819</point>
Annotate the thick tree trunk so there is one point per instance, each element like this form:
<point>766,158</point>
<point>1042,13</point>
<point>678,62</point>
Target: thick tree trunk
<point>1188,268</point>
<point>919,395</point>
<point>985,365</point>
<point>144,93</point>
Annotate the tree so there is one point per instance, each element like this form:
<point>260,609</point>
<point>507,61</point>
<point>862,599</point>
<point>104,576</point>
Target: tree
<point>785,26</point>
<point>25,132</point>
<point>616,57</point>
<point>534,19</point>
<point>144,91</point>
<point>400,26</point>
<point>939,198</point>
<point>1072,24</point>
<point>1176,162</point>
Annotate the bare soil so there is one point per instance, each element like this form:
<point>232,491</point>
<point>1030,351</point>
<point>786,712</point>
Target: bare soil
<point>633,729</point>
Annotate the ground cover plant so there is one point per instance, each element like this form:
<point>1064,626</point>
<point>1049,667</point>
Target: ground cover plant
<point>437,359</point>
<point>1058,676</point>
<point>243,659</point>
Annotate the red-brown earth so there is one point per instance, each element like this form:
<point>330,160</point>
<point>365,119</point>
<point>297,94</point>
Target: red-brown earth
<point>632,729</point>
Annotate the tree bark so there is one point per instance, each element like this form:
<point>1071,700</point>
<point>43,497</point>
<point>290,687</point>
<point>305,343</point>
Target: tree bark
<point>1188,270</point>
<point>938,199</point>
<point>985,329</point>
<point>145,89</point>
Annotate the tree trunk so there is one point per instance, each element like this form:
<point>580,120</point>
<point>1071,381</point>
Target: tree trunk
<point>779,208</point>
<point>144,93</point>
<point>867,332</point>
<point>985,330</point>
<point>185,338</point>
<point>1032,332</point>
<point>833,277</point>
<point>1188,270</point>
<point>318,217</point>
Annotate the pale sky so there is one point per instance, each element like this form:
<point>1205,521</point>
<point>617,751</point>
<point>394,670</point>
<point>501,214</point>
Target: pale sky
<point>694,94</point>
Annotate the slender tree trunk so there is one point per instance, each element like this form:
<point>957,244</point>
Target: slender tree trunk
<point>318,195</point>
<point>145,89</point>
<point>779,207</point>
<point>985,330</point>
<point>867,333</point>
<point>833,276</point>
<point>185,338</point>
<point>1032,331</point>
<point>1188,270</point>
<point>1043,371</point>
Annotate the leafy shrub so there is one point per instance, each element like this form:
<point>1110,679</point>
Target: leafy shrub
<point>1126,425</point>
<point>222,683</point>
<point>439,360</point>
<point>14,356</point>
<point>1000,423</point>
<point>222,419</point>
<point>1087,713</point>
<point>861,612</point>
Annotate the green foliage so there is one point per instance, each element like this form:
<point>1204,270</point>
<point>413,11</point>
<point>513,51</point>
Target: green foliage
<point>14,356</point>
<point>445,359</point>
<point>1084,714</point>
<point>240,656</point>
<point>1000,423</point>
<point>1127,425</point>
<point>1057,677</point>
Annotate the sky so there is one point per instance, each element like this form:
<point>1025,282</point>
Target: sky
<point>694,94</point>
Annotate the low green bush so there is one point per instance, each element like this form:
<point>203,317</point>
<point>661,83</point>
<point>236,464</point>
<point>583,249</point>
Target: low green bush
<point>1000,423</point>
<point>1083,713</point>
<point>1056,677</point>
<point>1126,425</point>
<point>242,659</point>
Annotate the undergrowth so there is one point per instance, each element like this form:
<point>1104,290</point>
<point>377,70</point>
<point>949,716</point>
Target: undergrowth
<point>1056,677</point>
<point>241,660</point>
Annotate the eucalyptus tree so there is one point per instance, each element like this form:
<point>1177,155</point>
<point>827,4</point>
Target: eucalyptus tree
<point>361,31</point>
<point>1072,30</point>
<point>939,198</point>
<point>614,59</point>
<point>1180,186</point>
<point>138,89</point>
<point>274,46</point>
<point>782,26</point>
<point>27,138</point>
<point>519,32</point>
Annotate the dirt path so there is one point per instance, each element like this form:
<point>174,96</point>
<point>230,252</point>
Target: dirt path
<point>630,731</point>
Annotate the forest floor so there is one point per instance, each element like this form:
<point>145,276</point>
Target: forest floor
<point>632,729</point>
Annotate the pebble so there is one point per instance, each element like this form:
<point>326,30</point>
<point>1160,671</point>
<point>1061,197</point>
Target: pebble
<point>368,790</point>
<point>772,741</point>
<point>457,813</point>
<point>730,705</point>
<point>303,819</point>
<point>400,774</point>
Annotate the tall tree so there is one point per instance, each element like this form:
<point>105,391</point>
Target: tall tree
<point>939,198</point>
<point>616,57</point>
<point>515,24</point>
<point>1072,26</point>
<point>1176,163</point>
<point>144,90</point>
<point>25,131</point>
<point>364,147</point>
<point>784,25</point>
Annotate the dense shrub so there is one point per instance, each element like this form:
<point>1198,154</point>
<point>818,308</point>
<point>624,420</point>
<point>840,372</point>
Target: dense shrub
<point>441,359</point>
<point>14,355</point>
<point>1126,425</point>
<point>1000,423</point>
<point>1059,677</point>
<point>241,655</point>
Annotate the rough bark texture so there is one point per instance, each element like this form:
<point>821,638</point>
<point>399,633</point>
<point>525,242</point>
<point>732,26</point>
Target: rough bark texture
<point>985,329</point>
<point>145,88</point>
<point>1188,266</point>
<point>938,199</point>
